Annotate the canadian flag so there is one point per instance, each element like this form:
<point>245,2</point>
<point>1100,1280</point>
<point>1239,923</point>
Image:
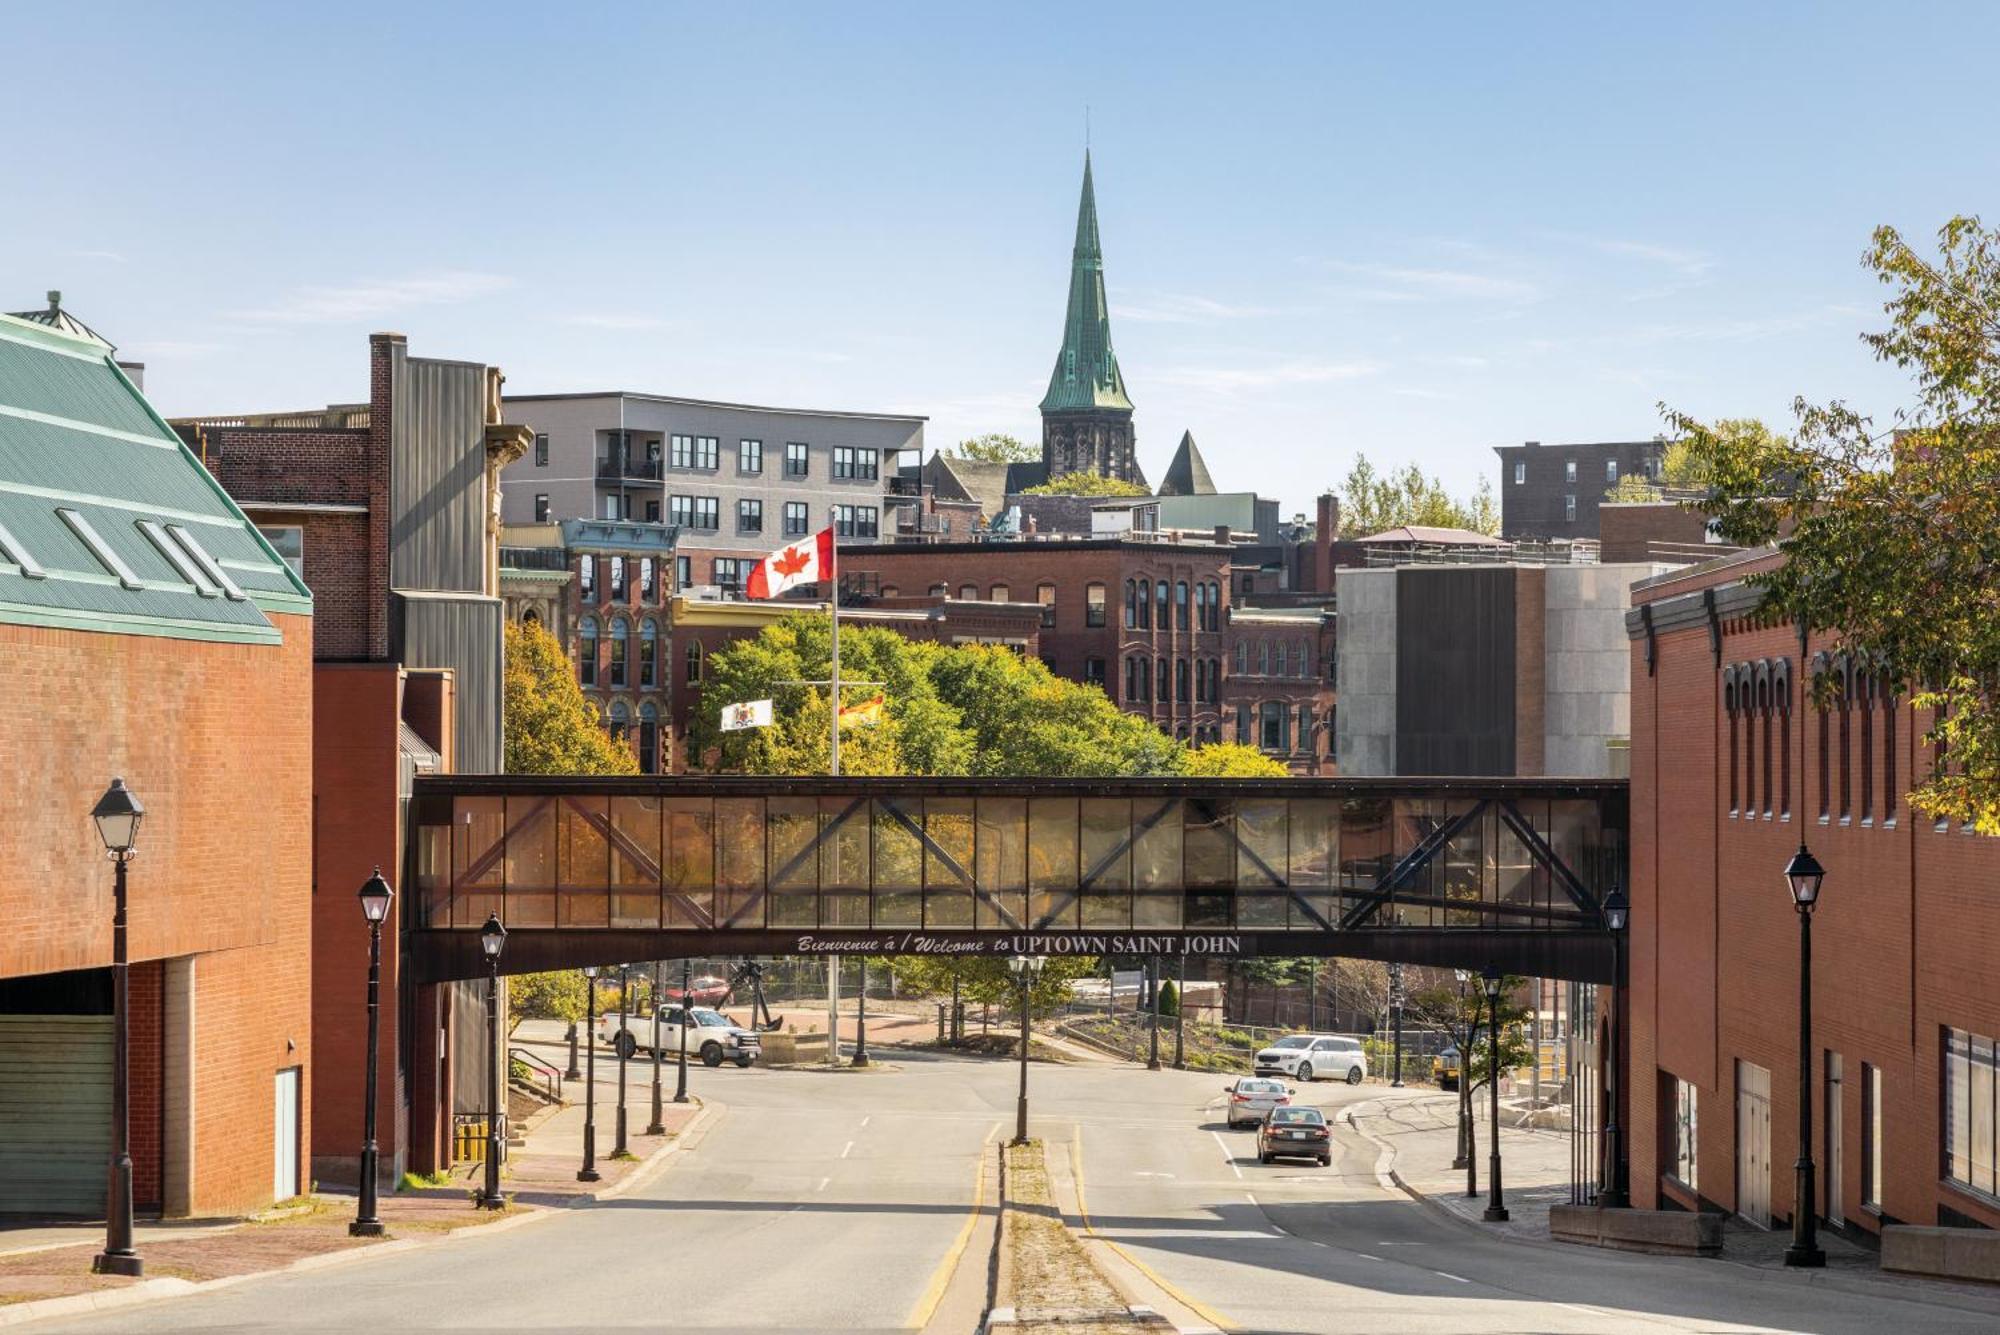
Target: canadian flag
<point>808,561</point>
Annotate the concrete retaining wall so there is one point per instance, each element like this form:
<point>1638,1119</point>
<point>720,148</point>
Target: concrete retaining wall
<point>1668,1232</point>
<point>1954,1253</point>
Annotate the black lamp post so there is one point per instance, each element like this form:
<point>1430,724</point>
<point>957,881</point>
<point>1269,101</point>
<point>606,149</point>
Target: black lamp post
<point>376,897</point>
<point>1153,1012</point>
<point>1464,1031</point>
<point>1496,1206</point>
<point>860,1057</point>
<point>492,939</point>
<point>1180,1015</point>
<point>1617,913</point>
<point>1026,968</point>
<point>117,816</point>
<point>1396,1014</point>
<point>589,1173</point>
<point>681,1062</point>
<point>626,1040</point>
<point>1804,874</point>
<point>658,1126</point>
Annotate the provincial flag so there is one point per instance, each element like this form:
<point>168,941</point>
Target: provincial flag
<point>867,714</point>
<point>749,714</point>
<point>807,561</point>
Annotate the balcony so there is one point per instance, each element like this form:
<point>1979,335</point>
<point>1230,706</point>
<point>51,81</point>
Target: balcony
<point>624,469</point>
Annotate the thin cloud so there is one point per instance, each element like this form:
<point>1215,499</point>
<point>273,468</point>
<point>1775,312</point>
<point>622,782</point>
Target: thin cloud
<point>1742,330</point>
<point>1393,282</point>
<point>616,322</point>
<point>109,256</point>
<point>1691,263</point>
<point>1180,308</point>
<point>1225,380</point>
<point>373,298</point>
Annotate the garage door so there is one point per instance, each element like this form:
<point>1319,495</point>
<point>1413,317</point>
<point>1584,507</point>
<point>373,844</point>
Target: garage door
<point>55,1113</point>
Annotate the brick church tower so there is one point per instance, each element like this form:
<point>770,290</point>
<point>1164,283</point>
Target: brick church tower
<point>1086,418</point>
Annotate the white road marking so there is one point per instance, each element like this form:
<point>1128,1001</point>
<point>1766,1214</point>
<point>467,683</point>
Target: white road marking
<point>1276,1232</point>
<point>848,1150</point>
<point>1445,1274</point>
<point>822,1184</point>
<point>1367,1257</point>
<point>1227,1157</point>
<point>866,1120</point>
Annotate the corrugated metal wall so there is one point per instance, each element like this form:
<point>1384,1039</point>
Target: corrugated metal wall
<point>461,632</point>
<point>1455,670</point>
<point>436,490</point>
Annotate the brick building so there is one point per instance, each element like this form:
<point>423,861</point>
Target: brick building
<point>1553,491</point>
<point>1734,764</point>
<point>150,634</point>
<point>388,510</point>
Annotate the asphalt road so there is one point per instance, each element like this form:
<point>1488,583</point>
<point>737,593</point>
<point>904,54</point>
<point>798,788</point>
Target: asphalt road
<point>833,1202</point>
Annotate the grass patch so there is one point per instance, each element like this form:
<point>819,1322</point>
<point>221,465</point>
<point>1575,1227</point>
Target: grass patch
<point>423,1181</point>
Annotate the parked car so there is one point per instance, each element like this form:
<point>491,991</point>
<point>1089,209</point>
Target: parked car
<point>711,1035</point>
<point>1307,1057</point>
<point>1295,1133</point>
<point>1444,1068</point>
<point>1250,1099</point>
<point>705,990</point>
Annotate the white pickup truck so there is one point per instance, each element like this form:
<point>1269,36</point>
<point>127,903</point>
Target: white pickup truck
<point>711,1035</point>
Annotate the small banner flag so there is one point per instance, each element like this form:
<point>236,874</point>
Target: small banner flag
<point>808,561</point>
<point>749,714</point>
<point>867,714</point>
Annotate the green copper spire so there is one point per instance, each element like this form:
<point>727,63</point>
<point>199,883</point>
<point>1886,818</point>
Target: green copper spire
<point>1086,374</point>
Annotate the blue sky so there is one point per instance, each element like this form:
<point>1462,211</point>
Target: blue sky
<point>1327,228</point>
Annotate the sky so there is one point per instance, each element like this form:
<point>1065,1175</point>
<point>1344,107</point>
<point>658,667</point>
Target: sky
<point>1414,231</point>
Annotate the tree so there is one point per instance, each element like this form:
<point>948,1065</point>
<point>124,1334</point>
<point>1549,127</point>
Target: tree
<point>1371,502</point>
<point>1680,470</point>
<point>1169,999</point>
<point>988,979</point>
<point>1086,484</point>
<point>545,996</point>
<point>996,448</point>
<point>1891,538</point>
<point>1230,760</point>
<point>1464,1017</point>
<point>550,727</point>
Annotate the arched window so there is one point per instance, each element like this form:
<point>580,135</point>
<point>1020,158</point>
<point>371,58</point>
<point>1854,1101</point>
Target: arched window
<point>1045,594</point>
<point>1181,605</point>
<point>617,579</point>
<point>1165,677</point>
<point>940,590</point>
<point>1214,607</point>
<point>1093,605</point>
<point>1729,708</point>
<point>619,649</point>
<point>890,591</point>
<point>1242,657</point>
<point>1889,793</point>
<point>1131,605</point>
<point>1263,658</point>
<point>1201,607</point>
<point>1160,605</point>
<point>646,577</point>
<point>586,578</point>
<point>1781,688</point>
<point>1300,657</point>
<point>693,661</point>
<point>1865,698</point>
<point>586,651</point>
<point>1001,594</point>
<point>968,593</point>
<point>649,653</point>
<point>1181,680</point>
<point>531,617</point>
<point>1843,682</point>
<point>619,721</point>
<point>649,738</point>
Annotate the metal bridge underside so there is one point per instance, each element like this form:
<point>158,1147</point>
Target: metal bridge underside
<point>1447,872</point>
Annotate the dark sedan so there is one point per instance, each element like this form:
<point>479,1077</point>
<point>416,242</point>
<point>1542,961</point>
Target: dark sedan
<point>1295,1133</point>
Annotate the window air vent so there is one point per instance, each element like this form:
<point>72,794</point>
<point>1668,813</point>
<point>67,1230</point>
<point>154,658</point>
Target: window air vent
<point>11,548</point>
<point>181,561</point>
<point>208,564</point>
<point>99,548</point>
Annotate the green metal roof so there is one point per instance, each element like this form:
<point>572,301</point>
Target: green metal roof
<point>77,437</point>
<point>1086,374</point>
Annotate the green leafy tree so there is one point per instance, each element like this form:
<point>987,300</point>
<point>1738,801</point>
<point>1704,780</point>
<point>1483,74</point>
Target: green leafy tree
<point>1465,1018</point>
<point>1680,470</point>
<point>1891,536</point>
<point>1229,760</point>
<point>997,448</point>
<point>1086,484</point>
<point>1169,999</point>
<point>550,727</point>
<point>1371,501</point>
<point>545,996</point>
<point>987,979</point>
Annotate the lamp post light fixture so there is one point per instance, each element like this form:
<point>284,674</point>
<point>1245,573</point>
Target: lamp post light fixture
<point>589,1173</point>
<point>1616,1196</point>
<point>1462,1031</point>
<point>1396,1014</point>
<point>658,1126</point>
<point>681,1062</point>
<point>860,1057</point>
<point>492,940</point>
<point>1803,875</point>
<point>1496,1205</point>
<point>626,1041</point>
<point>376,897</point>
<point>1026,968</point>
<point>117,816</point>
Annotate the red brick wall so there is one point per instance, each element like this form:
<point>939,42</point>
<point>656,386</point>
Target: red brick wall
<point>145,1069</point>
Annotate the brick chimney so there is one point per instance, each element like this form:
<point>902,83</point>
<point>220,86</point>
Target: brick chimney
<point>1324,536</point>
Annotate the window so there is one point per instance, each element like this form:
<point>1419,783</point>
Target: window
<point>730,572</point>
<point>541,507</point>
<point>1243,725</point>
<point>617,564</point>
<point>1145,605</point>
<point>652,512</point>
<point>698,512</point>
<point>1264,658</point>
<point>707,453</point>
<point>1520,474</point>
<point>1214,605</point>
<point>1134,673</point>
<point>586,651</point>
<point>1181,605</point>
<point>649,653</point>
<point>683,572</point>
<point>1871,1137</point>
<point>1000,593</point>
<point>646,588</point>
<point>1969,1071</point>
<point>1569,509</point>
<point>649,738</point>
<point>1242,651</point>
<point>1300,657</point>
<point>289,542</point>
<point>749,516</point>
<point>795,519</point>
<point>586,576</point>
<point>1687,1127</point>
<point>1045,594</point>
<point>618,722</point>
<point>798,458</point>
<point>749,456</point>
<point>1610,470</point>
<point>541,449</point>
<point>618,651</point>
<point>1166,679</point>
<point>1093,671</point>
<point>613,507</point>
<point>1131,606</point>
<point>1305,729</point>
<point>1181,680</point>
<point>968,593</point>
<point>1093,605</point>
<point>1569,470</point>
<point>693,662</point>
<point>1271,725</point>
<point>112,562</point>
<point>855,463</point>
<point>857,521</point>
<point>682,455</point>
<point>11,548</point>
<point>1201,607</point>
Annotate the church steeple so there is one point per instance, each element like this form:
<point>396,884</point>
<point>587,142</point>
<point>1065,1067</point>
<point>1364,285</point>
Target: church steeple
<point>1086,415</point>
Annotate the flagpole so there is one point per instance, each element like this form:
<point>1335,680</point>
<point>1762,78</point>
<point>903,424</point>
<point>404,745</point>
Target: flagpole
<point>833,584</point>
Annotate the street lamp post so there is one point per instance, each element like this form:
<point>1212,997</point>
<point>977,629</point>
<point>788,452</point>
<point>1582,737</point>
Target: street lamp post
<point>1803,875</point>
<point>1153,1012</point>
<point>658,1126</point>
<point>1026,968</point>
<point>1617,913</point>
<point>681,1062</point>
<point>1461,1032</point>
<point>572,1073</point>
<point>1180,1015</point>
<point>860,1057</point>
<point>1496,1206</point>
<point>626,1040</point>
<point>492,939</point>
<point>117,816</point>
<point>1396,1014</point>
<point>375,899</point>
<point>589,1173</point>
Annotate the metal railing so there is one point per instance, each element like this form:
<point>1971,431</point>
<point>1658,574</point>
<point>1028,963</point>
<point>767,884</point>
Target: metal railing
<point>643,470</point>
<point>540,1072</point>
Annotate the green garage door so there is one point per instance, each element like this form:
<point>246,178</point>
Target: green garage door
<point>55,1113</point>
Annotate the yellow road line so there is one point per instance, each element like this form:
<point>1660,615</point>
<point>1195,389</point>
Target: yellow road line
<point>1195,1305</point>
<point>920,1315</point>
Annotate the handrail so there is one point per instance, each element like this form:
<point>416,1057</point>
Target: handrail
<point>551,1076</point>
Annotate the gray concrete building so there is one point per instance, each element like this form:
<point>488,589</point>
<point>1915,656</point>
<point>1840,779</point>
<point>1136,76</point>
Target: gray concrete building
<point>1553,491</point>
<point>734,479</point>
<point>1500,669</point>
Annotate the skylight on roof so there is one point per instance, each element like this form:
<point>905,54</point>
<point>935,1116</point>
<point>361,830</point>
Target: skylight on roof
<point>99,548</point>
<point>208,564</point>
<point>190,570</point>
<point>11,548</point>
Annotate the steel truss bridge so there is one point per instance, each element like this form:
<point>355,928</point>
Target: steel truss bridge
<point>1451,872</point>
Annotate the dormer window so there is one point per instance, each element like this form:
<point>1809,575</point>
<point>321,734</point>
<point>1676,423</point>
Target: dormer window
<point>113,563</point>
